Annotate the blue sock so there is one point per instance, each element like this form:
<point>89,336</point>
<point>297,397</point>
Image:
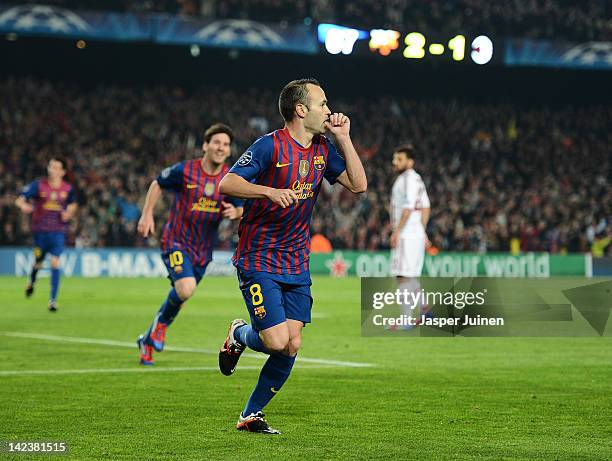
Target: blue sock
<point>249,336</point>
<point>273,375</point>
<point>55,278</point>
<point>170,308</point>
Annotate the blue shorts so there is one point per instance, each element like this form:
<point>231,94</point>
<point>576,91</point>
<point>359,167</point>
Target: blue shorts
<point>179,266</point>
<point>271,301</point>
<point>48,242</point>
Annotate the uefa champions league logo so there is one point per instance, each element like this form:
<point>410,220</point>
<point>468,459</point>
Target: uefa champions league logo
<point>31,17</point>
<point>230,31</point>
<point>590,53</point>
<point>245,158</point>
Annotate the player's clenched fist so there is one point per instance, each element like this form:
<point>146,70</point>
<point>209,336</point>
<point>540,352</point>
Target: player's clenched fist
<point>66,216</point>
<point>146,225</point>
<point>283,197</point>
<point>339,124</point>
<point>230,211</point>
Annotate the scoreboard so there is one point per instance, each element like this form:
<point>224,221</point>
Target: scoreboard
<point>410,46</point>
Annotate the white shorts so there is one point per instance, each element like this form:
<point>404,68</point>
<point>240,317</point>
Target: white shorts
<point>408,257</point>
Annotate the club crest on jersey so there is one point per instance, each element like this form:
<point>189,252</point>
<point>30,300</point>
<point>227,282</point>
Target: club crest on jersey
<point>319,162</point>
<point>209,189</point>
<point>178,269</point>
<point>304,168</point>
<point>260,312</point>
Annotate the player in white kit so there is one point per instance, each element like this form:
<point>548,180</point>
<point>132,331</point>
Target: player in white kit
<point>409,211</point>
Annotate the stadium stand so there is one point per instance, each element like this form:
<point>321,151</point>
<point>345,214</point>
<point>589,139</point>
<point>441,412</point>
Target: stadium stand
<point>559,19</point>
<point>501,176</point>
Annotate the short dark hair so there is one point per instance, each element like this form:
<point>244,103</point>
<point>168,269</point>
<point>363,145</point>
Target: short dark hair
<point>60,159</point>
<point>407,149</point>
<point>294,92</point>
<point>216,129</point>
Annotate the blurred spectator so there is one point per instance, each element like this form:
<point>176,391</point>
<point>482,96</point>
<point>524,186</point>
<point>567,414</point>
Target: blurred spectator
<point>318,242</point>
<point>501,176</point>
<point>548,19</point>
<point>600,244</point>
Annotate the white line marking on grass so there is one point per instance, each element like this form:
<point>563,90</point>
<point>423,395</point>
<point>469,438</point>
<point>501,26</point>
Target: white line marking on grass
<point>140,369</point>
<point>132,345</point>
<point>320,315</point>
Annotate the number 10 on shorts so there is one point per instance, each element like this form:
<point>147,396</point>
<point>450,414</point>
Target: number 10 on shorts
<point>176,258</point>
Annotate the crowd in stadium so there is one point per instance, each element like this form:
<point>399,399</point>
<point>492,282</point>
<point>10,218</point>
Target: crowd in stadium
<point>559,19</point>
<point>501,177</point>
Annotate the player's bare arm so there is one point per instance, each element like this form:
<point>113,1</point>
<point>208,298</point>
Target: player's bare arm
<point>425,212</point>
<point>354,177</point>
<point>425,217</point>
<point>25,206</point>
<point>69,212</point>
<point>236,186</point>
<point>146,224</point>
<point>400,225</point>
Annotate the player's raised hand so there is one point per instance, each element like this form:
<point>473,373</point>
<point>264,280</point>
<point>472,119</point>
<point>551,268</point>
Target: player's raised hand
<point>283,197</point>
<point>229,211</point>
<point>146,225</point>
<point>338,124</point>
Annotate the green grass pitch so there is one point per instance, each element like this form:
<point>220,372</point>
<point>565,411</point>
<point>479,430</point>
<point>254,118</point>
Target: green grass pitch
<point>424,398</point>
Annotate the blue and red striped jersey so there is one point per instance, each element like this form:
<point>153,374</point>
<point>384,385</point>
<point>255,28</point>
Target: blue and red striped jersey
<point>196,212</point>
<point>49,202</point>
<point>271,238</point>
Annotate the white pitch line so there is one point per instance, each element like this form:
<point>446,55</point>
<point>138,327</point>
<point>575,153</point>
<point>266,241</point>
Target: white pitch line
<point>140,369</point>
<point>320,315</point>
<point>131,345</point>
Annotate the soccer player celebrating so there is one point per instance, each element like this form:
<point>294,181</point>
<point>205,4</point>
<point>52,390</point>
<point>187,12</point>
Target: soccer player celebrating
<point>280,175</point>
<point>410,209</point>
<point>191,230</point>
<point>51,202</point>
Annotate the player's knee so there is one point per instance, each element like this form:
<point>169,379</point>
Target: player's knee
<point>294,345</point>
<point>55,262</point>
<point>277,343</point>
<point>185,288</point>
